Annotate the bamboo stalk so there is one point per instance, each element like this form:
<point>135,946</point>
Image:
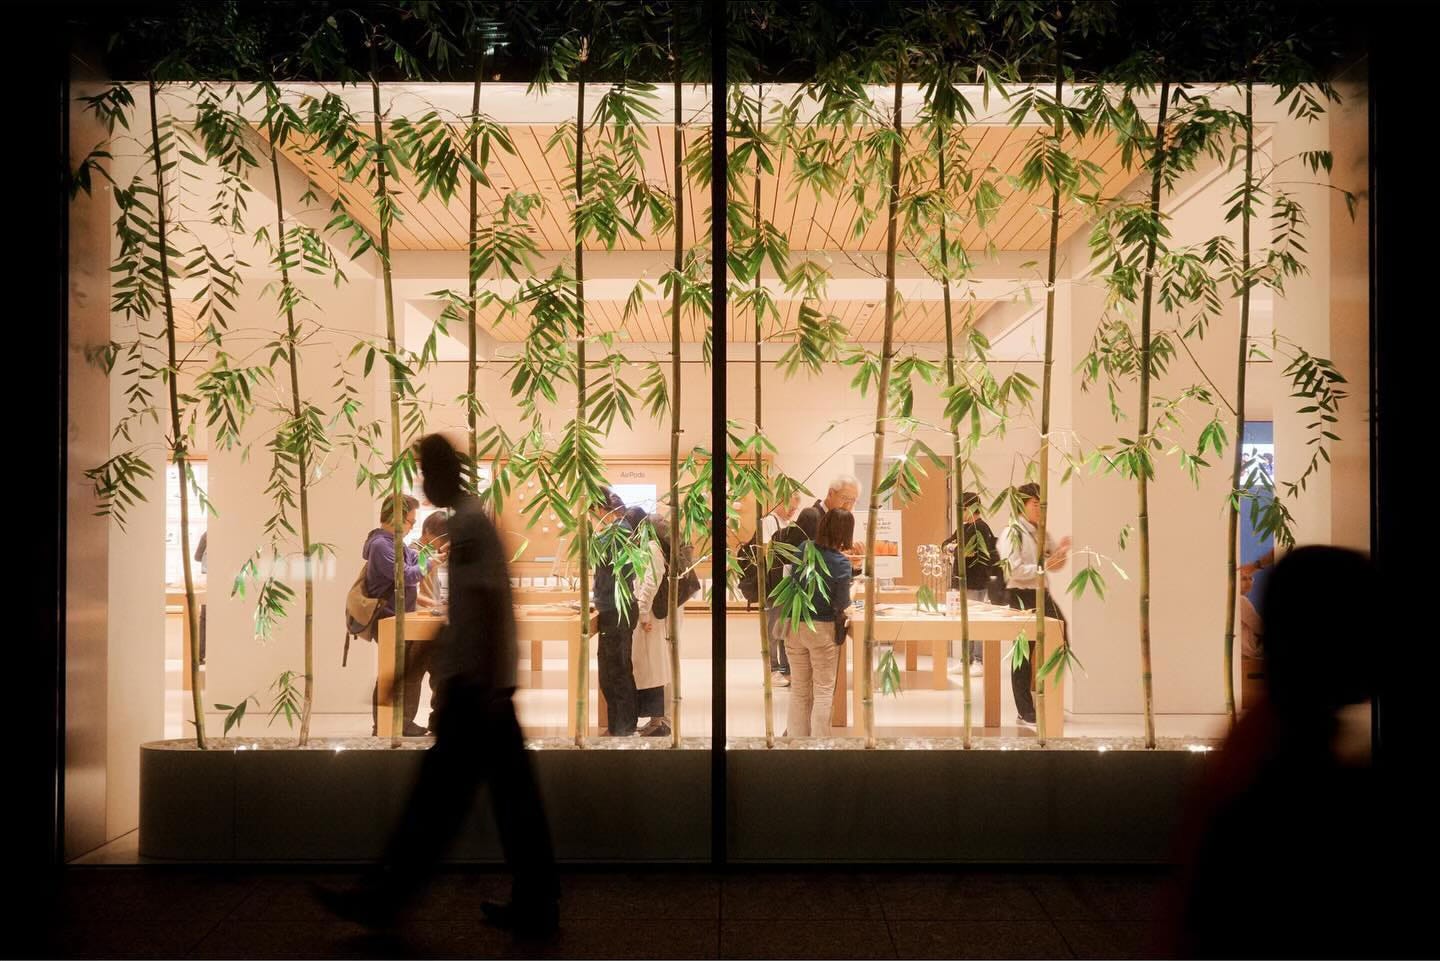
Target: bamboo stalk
<point>1143,438</point>
<point>957,467</point>
<point>471,367</point>
<point>761,572</point>
<point>582,529</point>
<point>302,454</point>
<point>866,680</point>
<point>672,606</point>
<point>1042,591</point>
<point>177,438</point>
<point>1241,366</point>
<point>397,496</point>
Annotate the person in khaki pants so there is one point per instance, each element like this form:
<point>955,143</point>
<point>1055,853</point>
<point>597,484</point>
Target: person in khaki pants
<point>813,651</point>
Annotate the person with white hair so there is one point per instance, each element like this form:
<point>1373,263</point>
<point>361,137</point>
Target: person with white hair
<point>843,492</point>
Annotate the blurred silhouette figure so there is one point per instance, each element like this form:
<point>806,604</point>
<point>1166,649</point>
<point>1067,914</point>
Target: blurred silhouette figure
<point>1282,848</point>
<point>477,736</point>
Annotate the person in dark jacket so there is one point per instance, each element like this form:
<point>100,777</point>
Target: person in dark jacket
<point>984,578</point>
<point>814,649</point>
<point>1288,831</point>
<point>618,620</point>
<point>477,736</point>
<point>379,556</point>
<point>779,525</point>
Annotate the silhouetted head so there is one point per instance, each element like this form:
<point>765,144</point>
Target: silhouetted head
<point>808,521</point>
<point>441,468</point>
<point>837,530</point>
<point>1030,498</point>
<point>435,529</point>
<point>606,507</point>
<point>1313,613</point>
<point>634,517</point>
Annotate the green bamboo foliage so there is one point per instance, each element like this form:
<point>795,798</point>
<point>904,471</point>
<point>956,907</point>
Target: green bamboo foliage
<point>1131,242</point>
<point>1048,165</point>
<point>302,437</point>
<point>677,302</point>
<point>928,187</point>
<point>156,247</point>
<point>1314,381</point>
<point>865,681</point>
<point>761,241</point>
<point>363,156</point>
<point>612,197</point>
<point>963,194</point>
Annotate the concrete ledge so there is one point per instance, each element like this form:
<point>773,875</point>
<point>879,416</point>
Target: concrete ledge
<point>990,806</point>
<point>266,800</point>
<point>270,801</point>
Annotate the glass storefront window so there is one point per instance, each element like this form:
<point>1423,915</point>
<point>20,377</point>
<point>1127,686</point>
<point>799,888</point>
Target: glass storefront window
<point>935,345</point>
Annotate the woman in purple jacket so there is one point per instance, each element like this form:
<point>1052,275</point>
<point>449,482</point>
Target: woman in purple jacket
<point>379,556</point>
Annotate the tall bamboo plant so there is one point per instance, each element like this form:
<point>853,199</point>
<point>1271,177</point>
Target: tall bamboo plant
<point>149,260</point>
<point>1048,165</point>
<point>397,473</point>
<point>756,241</point>
<point>867,695</point>
<point>363,154</point>
<point>302,437</point>
<point>611,198</point>
<point>672,587</point>
<point>1131,244</point>
<point>677,298</point>
<point>1272,51</point>
<point>963,195</point>
<point>816,338</point>
<point>582,530</point>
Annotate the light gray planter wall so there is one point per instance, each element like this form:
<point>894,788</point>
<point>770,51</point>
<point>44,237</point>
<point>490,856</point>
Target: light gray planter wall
<point>654,805</point>
<point>957,806</point>
<point>324,805</point>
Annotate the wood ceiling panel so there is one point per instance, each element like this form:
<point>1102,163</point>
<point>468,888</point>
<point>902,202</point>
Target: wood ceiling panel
<point>811,223</point>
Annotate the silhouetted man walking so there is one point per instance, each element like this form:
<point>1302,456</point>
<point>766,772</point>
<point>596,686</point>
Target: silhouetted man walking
<point>477,736</point>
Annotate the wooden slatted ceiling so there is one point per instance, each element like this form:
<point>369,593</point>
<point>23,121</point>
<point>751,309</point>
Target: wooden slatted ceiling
<point>431,224</point>
<point>918,321</point>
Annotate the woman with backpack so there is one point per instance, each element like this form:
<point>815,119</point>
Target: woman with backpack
<point>379,582</point>
<point>814,649</point>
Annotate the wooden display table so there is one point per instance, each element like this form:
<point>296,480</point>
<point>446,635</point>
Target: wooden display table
<point>525,596</point>
<point>543,595</point>
<point>533,622</point>
<point>989,624</point>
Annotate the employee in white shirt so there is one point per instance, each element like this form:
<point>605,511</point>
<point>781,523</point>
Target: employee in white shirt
<point>1025,580</point>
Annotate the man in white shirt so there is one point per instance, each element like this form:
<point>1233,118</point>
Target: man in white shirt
<point>1025,581</point>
